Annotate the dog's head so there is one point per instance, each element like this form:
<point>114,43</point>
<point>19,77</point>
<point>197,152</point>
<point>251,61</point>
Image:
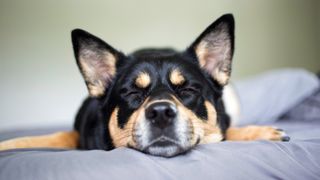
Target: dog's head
<point>160,101</point>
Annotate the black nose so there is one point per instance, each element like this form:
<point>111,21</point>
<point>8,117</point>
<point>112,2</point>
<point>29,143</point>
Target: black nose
<point>161,114</point>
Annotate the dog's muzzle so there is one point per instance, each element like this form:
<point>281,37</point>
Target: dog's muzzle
<point>167,135</point>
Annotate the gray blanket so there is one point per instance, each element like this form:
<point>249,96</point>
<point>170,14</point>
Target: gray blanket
<point>297,159</point>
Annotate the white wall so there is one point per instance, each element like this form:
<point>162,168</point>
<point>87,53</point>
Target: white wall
<point>41,85</point>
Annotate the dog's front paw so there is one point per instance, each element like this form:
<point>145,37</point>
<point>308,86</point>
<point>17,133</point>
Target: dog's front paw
<point>250,133</point>
<point>268,133</point>
<point>283,135</point>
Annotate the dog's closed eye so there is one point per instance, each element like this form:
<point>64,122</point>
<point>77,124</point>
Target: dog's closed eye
<point>188,91</point>
<point>125,93</point>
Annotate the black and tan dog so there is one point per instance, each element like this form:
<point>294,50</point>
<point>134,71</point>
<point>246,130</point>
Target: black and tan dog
<point>158,101</point>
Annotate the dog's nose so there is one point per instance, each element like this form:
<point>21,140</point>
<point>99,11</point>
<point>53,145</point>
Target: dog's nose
<point>161,114</point>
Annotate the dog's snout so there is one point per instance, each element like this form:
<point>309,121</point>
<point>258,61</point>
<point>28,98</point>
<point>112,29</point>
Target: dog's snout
<point>161,114</point>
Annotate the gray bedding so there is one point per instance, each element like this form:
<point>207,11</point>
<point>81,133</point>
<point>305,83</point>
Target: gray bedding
<point>297,159</point>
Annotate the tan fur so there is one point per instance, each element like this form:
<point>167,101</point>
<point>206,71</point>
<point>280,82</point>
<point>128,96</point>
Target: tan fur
<point>212,132</point>
<point>201,51</point>
<point>143,80</point>
<point>249,133</point>
<point>207,130</point>
<point>57,140</point>
<point>122,137</point>
<point>176,77</point>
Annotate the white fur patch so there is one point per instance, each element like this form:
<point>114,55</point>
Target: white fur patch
<point>163,151</point>
<point>232,104</point>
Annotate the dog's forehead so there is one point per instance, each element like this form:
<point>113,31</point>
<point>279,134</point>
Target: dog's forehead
<point>148,64</point>
<point>159,68</point>
<point>152,53</point>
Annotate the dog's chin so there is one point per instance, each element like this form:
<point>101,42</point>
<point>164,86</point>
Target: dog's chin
<point>165,148</point>
<point>164,151</point>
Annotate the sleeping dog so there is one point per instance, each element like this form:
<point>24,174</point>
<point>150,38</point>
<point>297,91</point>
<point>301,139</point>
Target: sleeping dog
<point>158,101</point>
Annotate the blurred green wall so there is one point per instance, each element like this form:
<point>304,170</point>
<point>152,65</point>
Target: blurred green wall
<point>41,85</point>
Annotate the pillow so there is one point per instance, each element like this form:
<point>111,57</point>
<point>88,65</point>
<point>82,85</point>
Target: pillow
<point>264,98</point>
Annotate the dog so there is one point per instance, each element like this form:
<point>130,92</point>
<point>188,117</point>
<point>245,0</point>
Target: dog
<point>158,101</point>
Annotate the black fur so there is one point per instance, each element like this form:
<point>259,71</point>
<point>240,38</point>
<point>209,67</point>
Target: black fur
<point>92,118</point>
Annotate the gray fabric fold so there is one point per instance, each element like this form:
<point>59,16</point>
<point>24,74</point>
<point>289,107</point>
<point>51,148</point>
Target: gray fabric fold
<point>264,98</point>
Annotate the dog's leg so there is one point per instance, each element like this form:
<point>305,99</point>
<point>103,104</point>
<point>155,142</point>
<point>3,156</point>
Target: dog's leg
<point>67,140</point>
<point>250,133</point>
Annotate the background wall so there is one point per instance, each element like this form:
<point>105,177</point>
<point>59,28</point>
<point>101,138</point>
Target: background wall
<point>318,30</point>
<point>41,85</point>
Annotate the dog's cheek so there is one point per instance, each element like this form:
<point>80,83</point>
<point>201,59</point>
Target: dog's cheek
<point>194,131</point>
<point>121,137</point>
<point>196,125</point>
<point>187,128</point>
<point>205,131</point>
<point>212,131</point>
<point>134,133</point>
<point>141,132</point>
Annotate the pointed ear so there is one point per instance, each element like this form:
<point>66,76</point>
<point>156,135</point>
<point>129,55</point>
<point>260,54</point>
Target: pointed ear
<point>214,48</point>
<point>96,61</point>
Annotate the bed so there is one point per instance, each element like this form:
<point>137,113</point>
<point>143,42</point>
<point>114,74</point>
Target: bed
<point>297,159</point>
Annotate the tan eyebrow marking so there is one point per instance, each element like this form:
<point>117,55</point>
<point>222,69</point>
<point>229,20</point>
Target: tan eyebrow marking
<point>143,80</point>
<point>176,77</point>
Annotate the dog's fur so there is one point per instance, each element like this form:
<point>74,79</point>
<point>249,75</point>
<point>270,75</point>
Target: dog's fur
<point>157,101</point>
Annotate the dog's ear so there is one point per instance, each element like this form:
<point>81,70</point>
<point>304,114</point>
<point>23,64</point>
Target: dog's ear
<point>96,60</point>
<point>214,48</point>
